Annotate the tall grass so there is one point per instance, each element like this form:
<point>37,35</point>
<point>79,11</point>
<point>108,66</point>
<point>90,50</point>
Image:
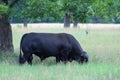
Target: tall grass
<point>102,47</point>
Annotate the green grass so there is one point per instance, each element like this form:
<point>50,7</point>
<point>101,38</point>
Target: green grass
<point>102,47</point>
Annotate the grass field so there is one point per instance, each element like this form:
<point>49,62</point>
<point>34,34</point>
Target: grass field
<point>104,58</point>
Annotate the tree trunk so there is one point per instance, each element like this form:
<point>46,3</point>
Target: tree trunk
<point>25,23</point>
<point>6,44</point>
<point>75,24</point>
<point>67,20</point>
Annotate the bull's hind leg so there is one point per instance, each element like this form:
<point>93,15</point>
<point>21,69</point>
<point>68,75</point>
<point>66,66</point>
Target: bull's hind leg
<point>29,58</point>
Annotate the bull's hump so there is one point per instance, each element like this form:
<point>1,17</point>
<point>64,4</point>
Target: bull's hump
<point>47,33</point>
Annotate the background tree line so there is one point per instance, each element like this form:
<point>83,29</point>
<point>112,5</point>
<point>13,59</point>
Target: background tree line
<point>83,11</point>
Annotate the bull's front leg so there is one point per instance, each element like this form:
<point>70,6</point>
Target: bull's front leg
<point>64,57</point>
<point>57,59</point>
<point>42,58</point>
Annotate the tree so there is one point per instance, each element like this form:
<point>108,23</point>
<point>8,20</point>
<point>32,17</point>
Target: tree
<point>72,11</point>
<point>105,11</point>
<point>79,11</point>
<point>6,44</point>
<point>75,11</point>
<point>65,9</point>
<point>46,9</point>
<point>17,15</point>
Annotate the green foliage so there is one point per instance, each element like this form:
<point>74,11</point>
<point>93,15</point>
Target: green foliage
<point>41,10</point>
<point>82,10</point>
<point>106,9</point>
<point>35,8</point>
<point>3,9</point>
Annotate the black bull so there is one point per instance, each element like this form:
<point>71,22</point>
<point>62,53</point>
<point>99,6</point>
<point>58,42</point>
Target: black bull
<point>62,46</point>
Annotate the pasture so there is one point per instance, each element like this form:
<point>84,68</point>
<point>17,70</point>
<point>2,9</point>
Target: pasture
<point>104,58</point>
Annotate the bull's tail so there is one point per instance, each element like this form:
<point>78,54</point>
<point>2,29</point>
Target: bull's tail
<point>21,57</point>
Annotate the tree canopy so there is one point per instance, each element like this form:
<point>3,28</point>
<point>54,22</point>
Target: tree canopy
<point>81,10</point>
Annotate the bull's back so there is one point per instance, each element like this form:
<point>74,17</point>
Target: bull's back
<point>47,42</point>
<point>45,38</point>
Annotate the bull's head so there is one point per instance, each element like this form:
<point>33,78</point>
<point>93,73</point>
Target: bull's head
<point>79,57</point>
<point>84,57</point>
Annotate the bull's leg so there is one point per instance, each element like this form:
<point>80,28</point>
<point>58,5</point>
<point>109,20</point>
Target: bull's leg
<point>57,59</point>
<point>70,60</point>
<point>64,55</point>
<point>29,59</point>
<point>42,58</point>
